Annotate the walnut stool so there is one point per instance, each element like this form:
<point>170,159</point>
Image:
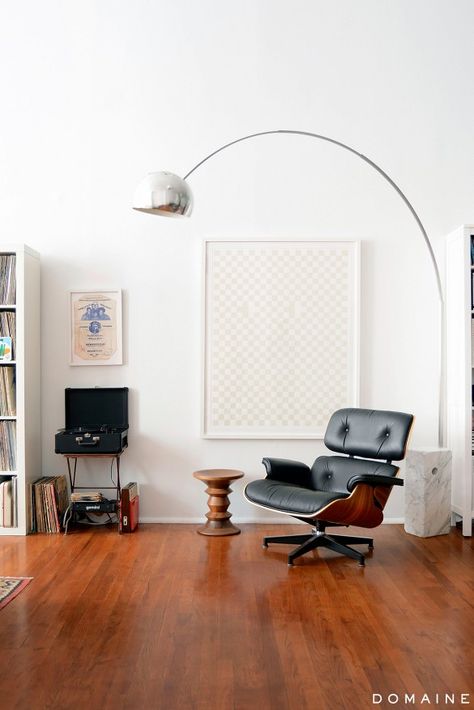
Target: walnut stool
<point>218,482</point>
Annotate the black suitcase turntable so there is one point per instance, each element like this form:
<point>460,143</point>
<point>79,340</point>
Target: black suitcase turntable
<point>96,421</point>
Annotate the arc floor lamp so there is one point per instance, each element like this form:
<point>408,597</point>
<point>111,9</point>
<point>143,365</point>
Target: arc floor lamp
<point>169,195</point>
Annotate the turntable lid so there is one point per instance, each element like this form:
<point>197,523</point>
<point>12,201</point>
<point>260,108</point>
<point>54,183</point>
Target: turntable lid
<point>97,406</point>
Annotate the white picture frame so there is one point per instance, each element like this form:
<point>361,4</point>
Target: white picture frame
<point>95,327</point>
<point>281,337</point>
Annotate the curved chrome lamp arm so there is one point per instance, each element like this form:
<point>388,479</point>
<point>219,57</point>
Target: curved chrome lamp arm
<point>365,159</point>
<point>169,195</point>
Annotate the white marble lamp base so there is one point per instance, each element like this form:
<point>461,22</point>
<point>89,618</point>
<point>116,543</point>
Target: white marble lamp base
<point>428,492</point>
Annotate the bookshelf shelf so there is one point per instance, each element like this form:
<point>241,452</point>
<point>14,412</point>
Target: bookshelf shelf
<point>459,369</point>
<point>20,443</point>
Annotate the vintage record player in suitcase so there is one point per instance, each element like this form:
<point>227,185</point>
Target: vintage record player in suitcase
<point>96,421</point>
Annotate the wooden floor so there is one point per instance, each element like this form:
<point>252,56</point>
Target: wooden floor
<point>167,619</point>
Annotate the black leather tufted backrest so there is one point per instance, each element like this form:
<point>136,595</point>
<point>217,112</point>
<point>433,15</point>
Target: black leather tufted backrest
<point>372,433</point>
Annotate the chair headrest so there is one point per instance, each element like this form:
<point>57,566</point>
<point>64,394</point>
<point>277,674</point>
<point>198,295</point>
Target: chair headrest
<point>371,433</point>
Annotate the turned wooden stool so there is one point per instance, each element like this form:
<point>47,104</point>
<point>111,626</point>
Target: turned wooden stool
<point>218,482</point>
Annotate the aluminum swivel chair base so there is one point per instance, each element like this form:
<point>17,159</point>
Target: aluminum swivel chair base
<point>318,538</point>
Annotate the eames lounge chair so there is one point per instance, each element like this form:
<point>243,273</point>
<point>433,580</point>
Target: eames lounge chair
<point>337,490</point>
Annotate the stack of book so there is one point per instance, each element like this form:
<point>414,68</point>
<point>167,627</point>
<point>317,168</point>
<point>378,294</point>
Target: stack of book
<point>7,446</point>
<point>7,278</point>
<point>48,502</point>
<point>7,392</point>
<point>8,502</point>
<point>87,497</point>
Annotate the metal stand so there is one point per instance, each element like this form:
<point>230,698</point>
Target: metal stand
<point>71,460</point>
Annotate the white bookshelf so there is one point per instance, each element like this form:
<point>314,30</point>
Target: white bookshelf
<point>459,371</point>
<point>27,366</point>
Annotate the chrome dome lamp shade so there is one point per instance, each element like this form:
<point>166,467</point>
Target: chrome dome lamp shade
<point>163,193</point>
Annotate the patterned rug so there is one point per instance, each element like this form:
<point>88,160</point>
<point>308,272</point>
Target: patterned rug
<point>10,587</point>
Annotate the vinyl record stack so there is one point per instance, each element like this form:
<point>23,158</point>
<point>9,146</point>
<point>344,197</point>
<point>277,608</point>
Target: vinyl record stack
<point>8,501</point>
<point>7,392</point>
<point>7,329</point>
<point>7,446</point>
<point>48,502</point>
<point>7,278</point>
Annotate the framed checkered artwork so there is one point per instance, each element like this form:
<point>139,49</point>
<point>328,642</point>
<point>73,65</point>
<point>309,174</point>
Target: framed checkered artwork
<point>281,337</point>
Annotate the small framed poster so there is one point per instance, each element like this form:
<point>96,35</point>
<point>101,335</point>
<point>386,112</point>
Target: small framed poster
<point>96,327</point>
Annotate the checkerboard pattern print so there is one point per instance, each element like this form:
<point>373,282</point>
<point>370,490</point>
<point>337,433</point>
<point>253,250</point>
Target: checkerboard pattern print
<point>280,321</point>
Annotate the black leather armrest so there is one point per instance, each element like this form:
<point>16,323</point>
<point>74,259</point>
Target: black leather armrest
<point>373,480</point>
<point>286,470</point>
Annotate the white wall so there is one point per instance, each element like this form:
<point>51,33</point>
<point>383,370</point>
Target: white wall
<point>96,94</point>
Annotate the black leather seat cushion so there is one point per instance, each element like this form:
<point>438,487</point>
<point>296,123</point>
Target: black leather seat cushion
<point>288,497</point>
<point>332,473</point>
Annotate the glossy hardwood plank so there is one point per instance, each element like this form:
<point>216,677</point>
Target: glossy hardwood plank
<point>165,618</point>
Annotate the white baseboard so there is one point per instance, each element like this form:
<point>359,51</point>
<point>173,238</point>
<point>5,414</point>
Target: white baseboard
<point>187,521</point>
<point>283,520</point>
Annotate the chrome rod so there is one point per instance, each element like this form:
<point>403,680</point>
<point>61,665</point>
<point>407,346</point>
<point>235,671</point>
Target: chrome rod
<point>441,403</point>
